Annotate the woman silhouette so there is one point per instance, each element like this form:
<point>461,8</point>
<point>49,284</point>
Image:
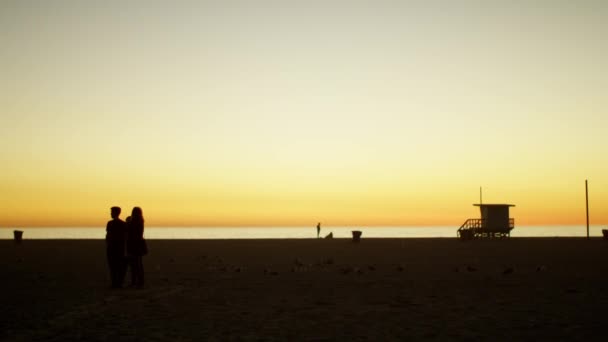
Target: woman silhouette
<point>136,246</point>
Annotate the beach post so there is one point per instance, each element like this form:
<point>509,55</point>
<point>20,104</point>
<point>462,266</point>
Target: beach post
<point>587,206</point>
<point>18,235</point>
<point>356,235</point>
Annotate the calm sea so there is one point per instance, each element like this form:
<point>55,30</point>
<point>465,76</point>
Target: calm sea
<point>290,232</point>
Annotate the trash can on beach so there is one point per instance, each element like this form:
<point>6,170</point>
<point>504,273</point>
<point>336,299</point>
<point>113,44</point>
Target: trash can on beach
<point>18,235</point>
<point>356,235</point>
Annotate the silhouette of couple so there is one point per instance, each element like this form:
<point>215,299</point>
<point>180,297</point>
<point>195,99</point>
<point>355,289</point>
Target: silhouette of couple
<point>125,247</point>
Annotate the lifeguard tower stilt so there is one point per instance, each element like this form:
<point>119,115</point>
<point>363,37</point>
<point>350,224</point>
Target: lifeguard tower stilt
<point>494,223</point>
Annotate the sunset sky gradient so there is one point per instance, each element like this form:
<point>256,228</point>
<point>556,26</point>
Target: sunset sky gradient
<point>289,113</point>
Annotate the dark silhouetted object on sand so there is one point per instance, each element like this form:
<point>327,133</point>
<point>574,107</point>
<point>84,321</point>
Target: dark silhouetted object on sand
<point>318,229</point>
<point>136,246</point>
<point>115,247</point>
<point>508,270</point>
<point>357,235</point>
<point>18,235</point>
<point>330,235</point>
<point>605,233</point>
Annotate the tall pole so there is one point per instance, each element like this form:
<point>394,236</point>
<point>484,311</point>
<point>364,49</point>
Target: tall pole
<point>587,206</point>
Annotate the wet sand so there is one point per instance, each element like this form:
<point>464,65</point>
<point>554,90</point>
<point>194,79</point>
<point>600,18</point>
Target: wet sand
<point>311,290</point>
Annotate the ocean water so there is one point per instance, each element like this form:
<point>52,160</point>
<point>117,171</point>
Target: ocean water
<point>291,232</point>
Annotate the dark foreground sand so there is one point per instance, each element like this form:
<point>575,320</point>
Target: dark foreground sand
<point>314,290</point>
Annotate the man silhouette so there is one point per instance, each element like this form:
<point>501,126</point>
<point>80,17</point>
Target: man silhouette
<point>318,229</point>
<point>115,247</point>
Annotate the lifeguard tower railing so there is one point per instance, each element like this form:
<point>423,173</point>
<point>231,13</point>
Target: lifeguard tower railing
<point>476,228</point>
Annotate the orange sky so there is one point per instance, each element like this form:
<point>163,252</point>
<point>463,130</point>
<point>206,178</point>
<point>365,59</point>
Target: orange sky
<point>273,113</point>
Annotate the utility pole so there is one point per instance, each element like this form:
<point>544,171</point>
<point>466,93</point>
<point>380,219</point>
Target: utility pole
<point>587,206</point>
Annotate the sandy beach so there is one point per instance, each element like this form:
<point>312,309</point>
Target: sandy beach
<point>311,290</point>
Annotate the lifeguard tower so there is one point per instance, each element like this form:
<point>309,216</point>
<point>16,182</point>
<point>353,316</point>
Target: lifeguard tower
<point>494,223</point>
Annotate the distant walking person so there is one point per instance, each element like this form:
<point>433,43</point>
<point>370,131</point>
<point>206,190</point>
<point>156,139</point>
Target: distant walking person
<point>318,230</point>
<point>136,246</point>
<point>115,247</point>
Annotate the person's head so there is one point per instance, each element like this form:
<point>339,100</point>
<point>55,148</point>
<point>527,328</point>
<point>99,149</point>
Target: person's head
<point>137,214</point>
<point>115,212</point>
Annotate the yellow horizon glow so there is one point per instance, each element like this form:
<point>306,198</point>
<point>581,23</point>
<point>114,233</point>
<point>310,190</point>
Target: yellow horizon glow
<point>284,114</point>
